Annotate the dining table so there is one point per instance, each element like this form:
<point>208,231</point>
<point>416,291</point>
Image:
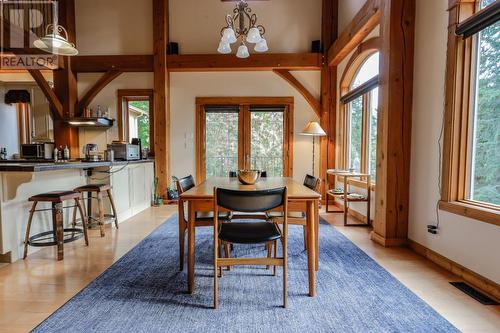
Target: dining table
<point>300,199</point>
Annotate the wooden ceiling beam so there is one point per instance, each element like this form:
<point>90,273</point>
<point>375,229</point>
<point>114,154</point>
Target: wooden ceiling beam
<point>54,101</point>
<point>198,62</point>
<point>361,25</point>
<point>288,77</point>
<point>106,63</point>
<point>95,89</point>
<point>256,62</point>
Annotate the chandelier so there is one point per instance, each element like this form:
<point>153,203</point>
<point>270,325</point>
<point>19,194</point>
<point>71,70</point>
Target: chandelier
<point>245,30</point>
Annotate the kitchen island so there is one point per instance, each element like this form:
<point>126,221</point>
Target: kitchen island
<point>132,183</point>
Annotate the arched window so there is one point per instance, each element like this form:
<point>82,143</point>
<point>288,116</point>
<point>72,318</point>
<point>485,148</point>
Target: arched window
<point>359,106</point>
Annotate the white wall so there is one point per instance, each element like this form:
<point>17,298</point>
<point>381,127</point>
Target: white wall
<point>291,25</point>
<point>9,133</point>
<point>347,10</point>
<point>185,87</point>
<point>107,98</point>
<point>471,243</point>
<point>114,27</point>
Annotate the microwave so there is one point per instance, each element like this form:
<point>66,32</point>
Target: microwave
<point>38,151</point>
<point>125,151</point>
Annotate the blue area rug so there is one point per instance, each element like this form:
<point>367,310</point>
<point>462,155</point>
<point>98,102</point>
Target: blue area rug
<point>145,292</point>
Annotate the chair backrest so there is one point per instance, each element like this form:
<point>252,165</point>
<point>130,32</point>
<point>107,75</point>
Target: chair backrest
<point>311,182</point>
<point>250,201</point>
<point>185,184</point>
<point>233,174</point>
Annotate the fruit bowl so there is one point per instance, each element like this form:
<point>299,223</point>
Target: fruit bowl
<point>248,177</point>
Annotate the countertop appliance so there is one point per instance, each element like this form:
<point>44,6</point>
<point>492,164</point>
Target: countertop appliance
<point>125,151</point>
<point>38,151</point>
<point>91,152</point>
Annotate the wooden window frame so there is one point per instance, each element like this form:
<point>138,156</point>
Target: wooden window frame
<point>244,104</point>
<point>126,95</point>
<point>456,141</point>
<point>361,54</point>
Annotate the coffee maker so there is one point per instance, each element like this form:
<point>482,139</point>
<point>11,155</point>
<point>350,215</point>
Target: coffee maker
<point>91,152</point>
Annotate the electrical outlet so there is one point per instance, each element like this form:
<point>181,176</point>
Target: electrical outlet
<point>432,229</point>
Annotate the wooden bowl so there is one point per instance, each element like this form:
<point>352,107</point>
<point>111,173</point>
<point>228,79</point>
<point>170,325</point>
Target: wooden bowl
<point>248,177</point>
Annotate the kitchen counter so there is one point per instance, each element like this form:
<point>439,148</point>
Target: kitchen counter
<point>35,166</point>
<point>131,182</point>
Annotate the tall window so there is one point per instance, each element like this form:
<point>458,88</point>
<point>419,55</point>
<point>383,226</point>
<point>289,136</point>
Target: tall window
<point>360,102</point>
<point>484,178</point>
<point>248,135</point>
<point>471,147</point>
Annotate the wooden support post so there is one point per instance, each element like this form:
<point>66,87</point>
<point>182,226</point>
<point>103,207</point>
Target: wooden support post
<point>328,92</point>
<point>397,30</point>
<point>65,85</point>
<point>161,94</point>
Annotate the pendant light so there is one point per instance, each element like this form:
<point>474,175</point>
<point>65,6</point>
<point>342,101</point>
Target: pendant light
<point>56,41</point>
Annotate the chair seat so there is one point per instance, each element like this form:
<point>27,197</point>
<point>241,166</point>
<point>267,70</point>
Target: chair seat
<point>249,233</point>
<point>56,196</point>
<point>93,188</point>
<point>293,215</point>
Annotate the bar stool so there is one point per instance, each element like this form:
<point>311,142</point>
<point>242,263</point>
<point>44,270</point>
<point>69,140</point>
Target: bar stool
<point>58,235</point>
<point>99,190</point>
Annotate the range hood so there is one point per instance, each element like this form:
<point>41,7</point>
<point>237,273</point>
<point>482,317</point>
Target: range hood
<point>90,122</point>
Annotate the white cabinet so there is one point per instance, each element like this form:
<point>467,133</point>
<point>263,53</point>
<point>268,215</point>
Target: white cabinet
<point>132,188</point>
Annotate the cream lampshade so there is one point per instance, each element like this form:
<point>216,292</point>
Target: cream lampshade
<point>313,129</point>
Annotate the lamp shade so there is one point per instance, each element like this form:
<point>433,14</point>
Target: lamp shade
<point>313,129</point>
<point>243,52</point>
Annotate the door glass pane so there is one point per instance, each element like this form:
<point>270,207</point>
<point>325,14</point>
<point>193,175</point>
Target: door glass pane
<point>355,134</point>
<point>485,159</point>
<point>267,130</point>
<point>372,148</point>
<point>221,143</point>
<point>138,112</point>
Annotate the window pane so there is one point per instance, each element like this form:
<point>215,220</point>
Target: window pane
<point>267,130</point>
<point>486,3</point>
<point>355,133</point>
<point>372,149</point>
<point>368,70</point>
<point>485,163</point>
<point>139,122</point>
<point>221,143</point>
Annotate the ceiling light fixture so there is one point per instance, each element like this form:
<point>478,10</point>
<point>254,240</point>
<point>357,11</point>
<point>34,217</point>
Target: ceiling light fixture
<point>246,30</point>
<point>56,41</point>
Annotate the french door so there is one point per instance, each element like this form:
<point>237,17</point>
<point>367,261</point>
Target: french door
<point>244,136</point>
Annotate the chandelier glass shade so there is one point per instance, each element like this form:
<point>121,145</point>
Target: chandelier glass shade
<point>242,25</point>
<point>56,41</point>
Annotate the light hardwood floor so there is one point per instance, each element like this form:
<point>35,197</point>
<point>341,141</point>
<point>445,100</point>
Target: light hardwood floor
<point>31,290</point>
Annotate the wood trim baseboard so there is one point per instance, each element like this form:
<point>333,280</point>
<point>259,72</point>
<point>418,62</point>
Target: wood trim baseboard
<point>485,285</point>
<point>387,242</point>
<point>6,258</point>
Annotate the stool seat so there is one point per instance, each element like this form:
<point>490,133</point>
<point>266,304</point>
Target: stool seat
<point>93,188</point>
<point>56,196</point>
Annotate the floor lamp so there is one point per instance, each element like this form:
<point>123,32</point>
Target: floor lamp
<point>313,129</point>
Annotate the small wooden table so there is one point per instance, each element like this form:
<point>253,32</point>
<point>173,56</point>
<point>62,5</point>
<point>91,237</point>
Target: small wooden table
<point>346,196</point>
<point>300,198</point>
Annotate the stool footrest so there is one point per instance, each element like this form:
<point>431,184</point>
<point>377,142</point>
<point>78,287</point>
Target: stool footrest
<point>47,238</point>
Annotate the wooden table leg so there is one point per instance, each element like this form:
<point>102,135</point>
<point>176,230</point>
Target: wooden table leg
<point>316,231</point>
<point>191,245</point>
<point>311,251</point>
<point>57,221</point>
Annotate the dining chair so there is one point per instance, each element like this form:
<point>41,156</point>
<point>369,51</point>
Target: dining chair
<point>251,232</point>
<point>298,218</point>
<point>202,219</point>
